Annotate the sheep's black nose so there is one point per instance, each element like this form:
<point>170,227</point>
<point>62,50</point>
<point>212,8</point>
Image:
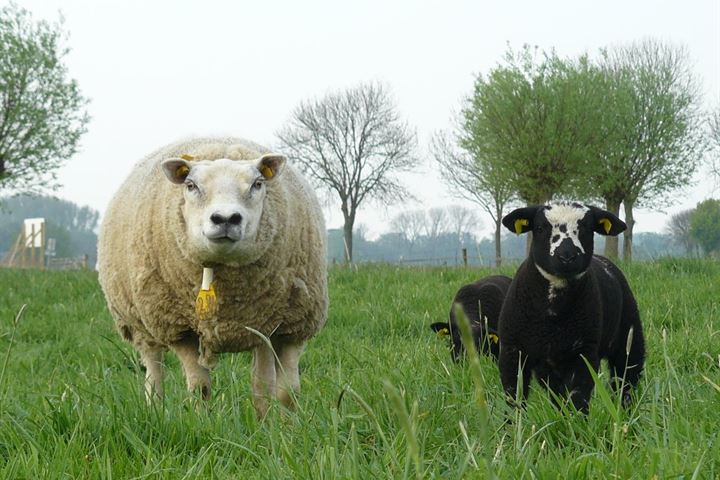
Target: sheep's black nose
<point>567,257</point>
<point>219,219</point>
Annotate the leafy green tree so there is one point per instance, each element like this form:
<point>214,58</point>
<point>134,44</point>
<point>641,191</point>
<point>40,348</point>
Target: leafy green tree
<point>535,118</point>
<point>650,124</point>
<point>42,113</point>
<point>526,132</point>
<point>705,225</point>
<point>353,144</point>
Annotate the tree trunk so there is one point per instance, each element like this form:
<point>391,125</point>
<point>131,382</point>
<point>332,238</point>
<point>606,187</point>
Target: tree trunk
<point>348,238</point>
<point>612,250</point>
<point>498,247</point>
<point>627,239</point>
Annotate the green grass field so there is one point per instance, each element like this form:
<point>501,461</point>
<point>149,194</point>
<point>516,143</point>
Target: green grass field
<point>381,397</point>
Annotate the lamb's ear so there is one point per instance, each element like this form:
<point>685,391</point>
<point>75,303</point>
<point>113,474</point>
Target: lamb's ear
<point>442,329</point>
<point>606,223</point>
<point>271,165</point>
<point>176,169</point>
<point>521,220</point>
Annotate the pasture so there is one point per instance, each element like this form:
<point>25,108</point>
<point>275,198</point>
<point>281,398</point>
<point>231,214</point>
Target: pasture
<point>381,397</point>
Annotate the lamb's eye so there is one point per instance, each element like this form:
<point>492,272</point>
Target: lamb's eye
<point>257,185</point>
<point>539,229</point>
<point>190,186</point>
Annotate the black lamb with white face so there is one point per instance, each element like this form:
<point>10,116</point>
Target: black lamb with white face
<point>566,304</point>
<point>481,303</point>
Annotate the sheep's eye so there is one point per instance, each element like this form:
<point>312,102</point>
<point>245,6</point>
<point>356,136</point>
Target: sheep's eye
<point>257,185</point>
<point>191,187</point>
<point>539,229</point>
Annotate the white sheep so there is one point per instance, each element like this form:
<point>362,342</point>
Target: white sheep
<point>227,208</point>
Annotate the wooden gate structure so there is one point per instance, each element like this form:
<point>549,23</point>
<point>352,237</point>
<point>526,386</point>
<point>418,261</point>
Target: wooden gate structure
<point>29,248</point>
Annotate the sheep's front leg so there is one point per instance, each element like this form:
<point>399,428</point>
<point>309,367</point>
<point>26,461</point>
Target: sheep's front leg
<point>197,376</point>
<point>288,372</point>
<point>263,378</point>
<point>152,358</point>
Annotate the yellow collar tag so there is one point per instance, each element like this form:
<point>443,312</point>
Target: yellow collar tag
<point>519,224</point>
<point>606,223</point>
<point>206,301</point>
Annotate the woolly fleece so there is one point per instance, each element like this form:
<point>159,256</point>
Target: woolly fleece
<point>151,280</point>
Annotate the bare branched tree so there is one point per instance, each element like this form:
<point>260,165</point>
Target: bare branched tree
<point>473,177</point>
<point>462,220</point>
<point>679,229</point>
<point>437,222</point>
<point>714,124</point>
<point>410,225</point>
<point>354,144</point>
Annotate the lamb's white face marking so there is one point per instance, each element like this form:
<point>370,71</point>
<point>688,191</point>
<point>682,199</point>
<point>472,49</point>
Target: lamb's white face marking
<point>564,219</point>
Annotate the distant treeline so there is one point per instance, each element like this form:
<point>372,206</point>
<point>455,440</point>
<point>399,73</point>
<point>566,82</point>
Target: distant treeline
<point>446,248</point>
<point>74,230</point>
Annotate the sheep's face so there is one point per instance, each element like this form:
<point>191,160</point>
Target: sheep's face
<point>450,329</point>
<point>223,203</point>
<point>486,340</point>
<point>562,244</point>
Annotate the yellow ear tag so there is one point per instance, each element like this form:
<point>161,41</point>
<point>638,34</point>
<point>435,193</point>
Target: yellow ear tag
<point>266,171</point>
<point>185,156</point>
<point>519,224</point>
<point>182,171</point>
<point>606,223</point>
<point>206,301</point>
<point>443,332</point>
<point>493,338</point>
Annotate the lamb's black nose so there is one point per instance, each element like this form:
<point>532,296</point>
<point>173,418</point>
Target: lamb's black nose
<point>219,219</point>
<point>567,256</point>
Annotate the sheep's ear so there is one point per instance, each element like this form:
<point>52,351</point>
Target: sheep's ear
<point>521,220</point>
<point>606,223</point>
<point>176,169</point>
<point>442,329</point>
<point>271,165</point>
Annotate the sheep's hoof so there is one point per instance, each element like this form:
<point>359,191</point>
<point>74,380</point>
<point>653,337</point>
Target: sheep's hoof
<point>262,406</point>
<point>200,388</point>
<point>288,399</point>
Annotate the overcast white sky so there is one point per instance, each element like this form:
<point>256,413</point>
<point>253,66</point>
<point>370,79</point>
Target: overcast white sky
<point>158,71</point>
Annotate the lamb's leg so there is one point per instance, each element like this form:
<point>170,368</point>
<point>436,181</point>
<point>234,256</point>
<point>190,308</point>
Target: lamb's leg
<point>263,378</point>
<point>152,358</point>
<point>627,365</point>
<point>511,363</point>
<point>547,377</point>
<point>197,376</point>
<point>288,373</point>
<point>578,381</point>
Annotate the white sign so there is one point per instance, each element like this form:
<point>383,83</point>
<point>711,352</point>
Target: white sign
<point>33,232</point>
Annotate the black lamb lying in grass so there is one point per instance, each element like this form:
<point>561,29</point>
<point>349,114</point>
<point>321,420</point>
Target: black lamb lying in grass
<point>484,296</point>
<point>567,306</point>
